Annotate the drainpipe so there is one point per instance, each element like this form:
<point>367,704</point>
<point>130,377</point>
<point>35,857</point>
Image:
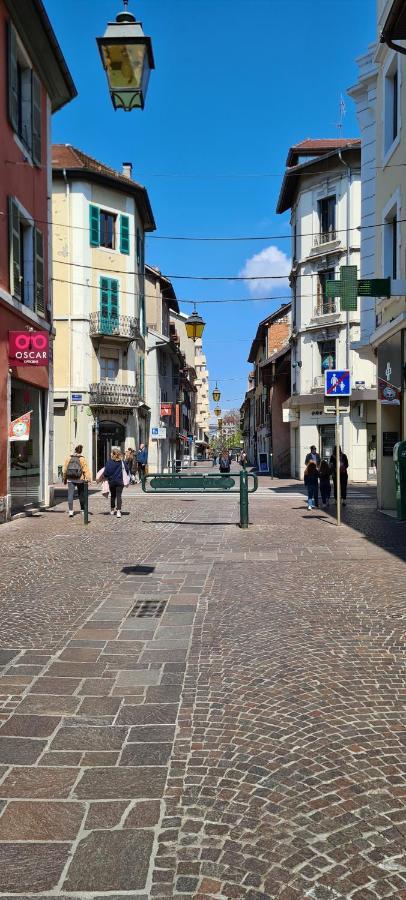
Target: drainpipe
<point>67,195</point>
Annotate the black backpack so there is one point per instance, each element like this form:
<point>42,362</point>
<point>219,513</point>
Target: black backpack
<point>74,470</point>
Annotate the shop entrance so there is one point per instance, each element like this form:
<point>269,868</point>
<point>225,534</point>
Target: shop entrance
<point>26,456</point>
<point>110,434</point>
<point>371,451</point>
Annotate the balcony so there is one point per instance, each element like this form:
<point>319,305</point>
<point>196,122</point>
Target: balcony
<point>325,242</point>
<point>119,396</point>
<point>325,309</point>
<point>117,329</point>
<point>324,237</point>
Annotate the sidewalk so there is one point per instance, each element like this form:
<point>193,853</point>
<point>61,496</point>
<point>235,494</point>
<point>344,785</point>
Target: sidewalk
<point>191,710</point>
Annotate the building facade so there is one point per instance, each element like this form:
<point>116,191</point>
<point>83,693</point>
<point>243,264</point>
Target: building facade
<point>185,415</point>
<point>100,217</point>
<point>380,99</point>
<point>322,189</point>
<point>163,362</point>
<point>35,83</point>
<point>202,400</point>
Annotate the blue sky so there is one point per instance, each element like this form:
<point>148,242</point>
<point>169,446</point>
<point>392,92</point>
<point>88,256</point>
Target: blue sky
<point>236,83</point>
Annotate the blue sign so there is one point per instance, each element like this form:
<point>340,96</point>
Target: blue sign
<point>154,431</point>
<point>337,383</point>
<point>76,398</point>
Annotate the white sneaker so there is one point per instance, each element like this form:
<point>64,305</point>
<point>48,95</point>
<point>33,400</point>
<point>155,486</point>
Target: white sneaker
<point>112,512</point>
<point>309,506</point>
<point>118,514</point>
<point>71,513</point>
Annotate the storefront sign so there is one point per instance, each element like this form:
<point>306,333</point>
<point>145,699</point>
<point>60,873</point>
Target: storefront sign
<point>177,415</point>
<point>28,348</point>
<point>388,393</point>
<point>166,409</point>
<point>19,429</point>
<point>389,439</point>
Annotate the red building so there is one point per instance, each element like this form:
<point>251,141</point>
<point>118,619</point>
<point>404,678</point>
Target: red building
<point>35,82</point>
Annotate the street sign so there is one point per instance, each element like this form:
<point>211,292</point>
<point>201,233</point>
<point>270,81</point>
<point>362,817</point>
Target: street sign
<point>76,398</point>
<point>337,383</point>
<point>158,433</point>
<point>330,410</point>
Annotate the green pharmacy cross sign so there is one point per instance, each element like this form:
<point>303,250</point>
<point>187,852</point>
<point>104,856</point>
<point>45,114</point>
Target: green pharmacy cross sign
<point>350,287</point>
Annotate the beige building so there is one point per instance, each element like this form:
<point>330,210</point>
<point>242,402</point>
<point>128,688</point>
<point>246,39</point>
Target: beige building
<point>380,98</point>
<point>100,217</point>
<point>202,400</point>
<point>163,363</point>
<point>186,407</point>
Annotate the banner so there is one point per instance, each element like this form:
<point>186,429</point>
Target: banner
<point>166,409</point>
<point>19,429</point>
<point>388,393</point>
<point>28,348</point>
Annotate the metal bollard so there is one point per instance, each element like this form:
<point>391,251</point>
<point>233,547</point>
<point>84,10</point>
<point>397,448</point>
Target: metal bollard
<point>85,503</point>
<point>244,520</point>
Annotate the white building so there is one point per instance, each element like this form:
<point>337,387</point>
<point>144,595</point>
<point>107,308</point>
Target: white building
<point>322,188</point>
<point>202,399</point>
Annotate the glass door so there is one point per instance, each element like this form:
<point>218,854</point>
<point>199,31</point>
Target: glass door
<point>26,456</point>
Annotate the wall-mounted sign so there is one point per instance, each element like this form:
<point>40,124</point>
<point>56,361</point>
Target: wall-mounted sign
<point>28,348</point>
<point>388,393</point>
<point>158,433</point>
<point>166,409</point>
<point>76,398</point>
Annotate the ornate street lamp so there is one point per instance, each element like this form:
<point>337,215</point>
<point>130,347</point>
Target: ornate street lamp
<point>128,59</point>
<point>195,325</point>
<point>216,394</point>
<point>217,411</point>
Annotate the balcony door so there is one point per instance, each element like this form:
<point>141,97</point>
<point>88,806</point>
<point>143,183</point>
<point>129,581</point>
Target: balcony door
<point>109,305</point>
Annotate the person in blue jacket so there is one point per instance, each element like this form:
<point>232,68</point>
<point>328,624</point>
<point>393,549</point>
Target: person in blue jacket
<point>113,472</point>
<point>142,459</point>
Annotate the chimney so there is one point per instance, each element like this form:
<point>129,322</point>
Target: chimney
<point>127,169</point>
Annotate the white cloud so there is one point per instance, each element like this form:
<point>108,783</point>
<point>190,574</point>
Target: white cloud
<point>270,261</point>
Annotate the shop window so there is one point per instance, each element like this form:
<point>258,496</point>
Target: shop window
<point>24,98</point>
<point>27,275</point>
<point>108,369</point>
<point>327,351</point>
<point>327,219</point>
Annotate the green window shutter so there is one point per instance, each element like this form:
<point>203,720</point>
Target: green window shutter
<point>104,297</point>
<point>124,234</point>
<point>113,298</point>
<point>36,119</point>
<point>13,102</point>
<point>39,272</point>
<point>94,225</point>
<point>15,249</point>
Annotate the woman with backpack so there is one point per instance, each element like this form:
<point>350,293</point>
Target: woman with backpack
<point>75,472</point>
<point>116,472</point>
<point>343,473</point>
<point>224,462</point>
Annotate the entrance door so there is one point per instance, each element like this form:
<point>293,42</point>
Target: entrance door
<point>26,457</point>
<point>327,440</point>
<point>110,434</point>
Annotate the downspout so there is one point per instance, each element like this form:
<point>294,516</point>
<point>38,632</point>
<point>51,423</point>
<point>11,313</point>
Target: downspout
<point>347,315</point>
<point>67,195</point>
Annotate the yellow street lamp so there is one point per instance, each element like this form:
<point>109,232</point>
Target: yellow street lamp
<point>127,57</point>
<point>216,394</point>
<point>217,411</point>
<point>195,325</point>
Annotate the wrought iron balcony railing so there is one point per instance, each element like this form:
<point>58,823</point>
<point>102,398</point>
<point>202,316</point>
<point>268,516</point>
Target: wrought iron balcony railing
<point>125,328</point>
<point>327,307</point>
<point>324,237</point>
<point>106,393</point>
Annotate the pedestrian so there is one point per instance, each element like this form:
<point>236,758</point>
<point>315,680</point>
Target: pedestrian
<point>131,463</point>
<point>325,484</point>
<point>224,463</point>
<point>243,459</point>
<point>311,480</point>
<point>313,456</point>
<point>142,459</point>
<point>214,457</point>
<point>343,473</point>
<point>116,472</point>
<point>75,472</point>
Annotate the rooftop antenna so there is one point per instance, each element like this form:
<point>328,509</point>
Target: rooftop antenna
<point>342,112</point>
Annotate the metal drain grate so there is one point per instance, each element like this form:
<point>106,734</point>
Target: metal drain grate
<point>148,609</point>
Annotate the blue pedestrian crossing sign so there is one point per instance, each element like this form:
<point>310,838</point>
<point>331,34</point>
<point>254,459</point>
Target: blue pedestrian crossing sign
<point>337,383</point>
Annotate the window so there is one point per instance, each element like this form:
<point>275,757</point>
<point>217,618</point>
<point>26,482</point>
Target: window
<point>108,304</point>
<point>390,244</point>
<point>325,304</point>
<point>327,219</point>
<point>24,98</point>
<point>107,230</point>
<point>391,94</point>
<point>108,369</point>
<point>27,274</point>
<point>327,350</point>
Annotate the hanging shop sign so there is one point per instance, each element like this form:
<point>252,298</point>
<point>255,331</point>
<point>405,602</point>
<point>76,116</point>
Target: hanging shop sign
<point>28,348</point>
<point>19,429</point>
<point>388,393</point>
<point>166,409</point>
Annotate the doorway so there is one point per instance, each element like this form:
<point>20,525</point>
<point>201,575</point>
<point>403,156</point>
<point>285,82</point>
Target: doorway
<point>110,434</point>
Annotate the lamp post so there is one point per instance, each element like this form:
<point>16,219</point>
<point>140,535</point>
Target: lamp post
<point>195,325</point>
<point>217,411</point>
<point>127,58</point>
<point>216,394</point>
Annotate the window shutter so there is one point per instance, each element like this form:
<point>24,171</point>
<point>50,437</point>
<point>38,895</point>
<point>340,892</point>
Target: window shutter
<point>124,234</point>
<point>113,298</point>
<point>12,78</point>
<point>142,376</point>
<point>39,275</point>
<point>138,250</point>
<point>94,225</point>
<point>15,251</point>
<point>104,297</point>
<point>36,118</point>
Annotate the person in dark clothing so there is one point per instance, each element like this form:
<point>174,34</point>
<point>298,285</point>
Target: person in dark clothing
<point>313,456</point>
<point>224,462</point>
<point>325,484</point>
<point>114,474</point>
<point>311,480</point>
<point>343,474</point>
<point>142,459</point>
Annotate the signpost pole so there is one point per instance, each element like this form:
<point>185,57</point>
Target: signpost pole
<point>243,499</point>
<point>338,485</point>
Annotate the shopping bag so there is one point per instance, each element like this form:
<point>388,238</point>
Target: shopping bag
<point>126,477</point>
<point>100,475</point>
<point>105,488</point>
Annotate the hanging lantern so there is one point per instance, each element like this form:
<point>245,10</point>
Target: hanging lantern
<point>217,411</point>
<point>216,394</point>
<point>127,58</point>
<point>195,325</point>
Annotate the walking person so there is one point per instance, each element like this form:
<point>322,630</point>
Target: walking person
<point>243,459</point>
<point>214,457</point>
<point>131,464</point>
<point>311,480</point>
<point>313,456</point>
<point>142,459</point>
<point>224,462</point>
<point>116,472</point>
<point>325,484</point>
<point>343,473</point>
<point>75,472</point>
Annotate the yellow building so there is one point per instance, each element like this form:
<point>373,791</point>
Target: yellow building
<point>99,218</point>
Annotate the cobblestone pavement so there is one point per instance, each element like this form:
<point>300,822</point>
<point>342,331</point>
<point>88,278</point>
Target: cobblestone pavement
<point>191,710</point>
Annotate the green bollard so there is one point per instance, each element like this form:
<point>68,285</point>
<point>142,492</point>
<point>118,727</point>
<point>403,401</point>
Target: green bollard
<point>86,503</point>
<point>243,499</point>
